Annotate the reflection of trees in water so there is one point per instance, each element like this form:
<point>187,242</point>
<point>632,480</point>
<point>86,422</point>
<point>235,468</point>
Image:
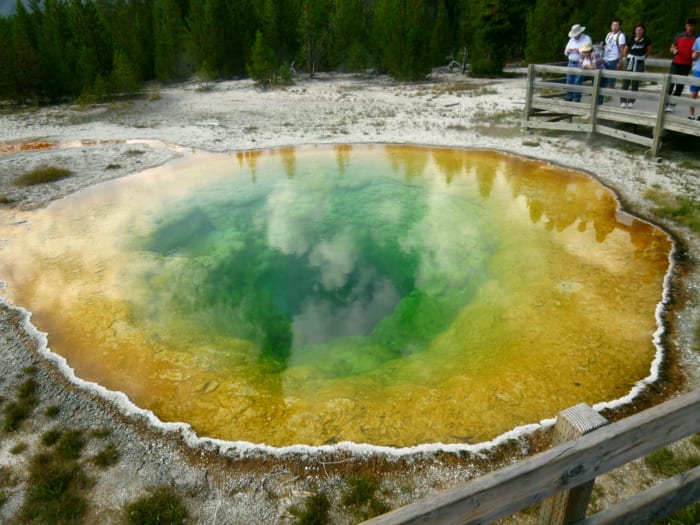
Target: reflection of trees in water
<point>250,159</point>
<point>485,177</point>
<point>342,156</point>
<point>562,199</point>
<point>412,160</point>
<point>289,161</point>
<point>451,163</point>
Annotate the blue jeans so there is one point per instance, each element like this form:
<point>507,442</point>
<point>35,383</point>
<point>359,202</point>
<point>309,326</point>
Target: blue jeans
<point>611,65</point>
<point>573,79</point>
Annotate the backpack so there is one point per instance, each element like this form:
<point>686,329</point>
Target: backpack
<point>617,41</point>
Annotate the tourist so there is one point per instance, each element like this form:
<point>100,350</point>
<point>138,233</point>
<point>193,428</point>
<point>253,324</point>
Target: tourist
<point>615,42</point>
<point>696,74</point>
<point>590,58</point>
<point>635,54</point>
<point>577,39</point>
<point>682,58</point>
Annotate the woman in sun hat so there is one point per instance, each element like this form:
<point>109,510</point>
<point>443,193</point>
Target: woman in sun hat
<point>577,38</point>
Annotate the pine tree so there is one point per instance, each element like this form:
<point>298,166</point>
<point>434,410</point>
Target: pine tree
<point>441,46</point>
<point>25,76</point>
<point>262,66</point>
<point>125,78</point>
<point>401,39</point>
<point>129,24</point>
<point>90,51</point>
<point>548,23</point>
<point>315,24</point>
<point>170,38</point>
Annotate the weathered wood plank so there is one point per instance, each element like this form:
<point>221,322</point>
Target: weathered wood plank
<point>506,491</point>
<point>653,504</point>
<point>689,127</point>
<point>570,505</point>
<point>627,116</point>
<point>558,125</point>
<point>624,135</point>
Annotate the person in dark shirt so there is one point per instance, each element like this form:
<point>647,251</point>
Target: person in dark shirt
<point>682,57</point>
<point>635,53</point>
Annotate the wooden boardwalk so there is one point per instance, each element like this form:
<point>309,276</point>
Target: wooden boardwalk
<point>645,123</point>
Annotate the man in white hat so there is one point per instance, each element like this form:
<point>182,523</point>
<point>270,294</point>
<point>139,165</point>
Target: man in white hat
<point>577,38</point>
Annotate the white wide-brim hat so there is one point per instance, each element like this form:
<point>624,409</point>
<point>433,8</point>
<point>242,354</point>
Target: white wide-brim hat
<point>576,30</point>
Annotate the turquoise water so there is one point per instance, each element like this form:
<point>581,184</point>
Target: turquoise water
<point>343,268</point>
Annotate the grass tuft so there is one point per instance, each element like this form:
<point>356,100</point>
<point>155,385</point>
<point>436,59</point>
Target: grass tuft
<point>101,433</point>
<point>690,515</point>
<point>361,491</point>
<point>42,175</point>
<point>681,208</point>
<point>70,444</point>
<point>52,411</point>
<point>163,506</point>
<point>50,437</point>
<point>54,491</point>
<point>666,463</point>
<point>107,457</point>
<point>362,498</point>
<point>316,511</point>
<point>19,448</point>
<point>18,410</point>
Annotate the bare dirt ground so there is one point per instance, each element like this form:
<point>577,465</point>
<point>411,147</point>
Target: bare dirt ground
<point>231,485</point>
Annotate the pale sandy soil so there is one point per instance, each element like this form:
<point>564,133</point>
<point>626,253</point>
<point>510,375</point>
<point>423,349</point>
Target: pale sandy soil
<point>237,486</point>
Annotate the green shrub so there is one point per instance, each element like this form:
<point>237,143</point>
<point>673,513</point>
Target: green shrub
<point>163,506</point>
<point>43,174</point>
<point>361,491</point>
<point>19,410</point>
<point>100,433</point>
<point>19,448</point>
<point>27,389</point>
<point>54,491</point>
<point>690,515</point>
<point>50,437</point>
<point>666,463</point>
<point>107,457</point>
<point>362,498</point>
<point>70,444</point>
<point>316,511</point>
<point>52,411</point>
<point>16,412</point>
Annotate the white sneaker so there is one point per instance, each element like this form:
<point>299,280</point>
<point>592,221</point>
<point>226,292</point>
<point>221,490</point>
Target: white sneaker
<point>623,104</point>
<point>669,108</point>
<point>630,104</point>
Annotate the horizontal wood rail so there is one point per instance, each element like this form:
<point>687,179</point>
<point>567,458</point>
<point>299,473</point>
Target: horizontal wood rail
<point>547,108</point>
<point>568,465</point>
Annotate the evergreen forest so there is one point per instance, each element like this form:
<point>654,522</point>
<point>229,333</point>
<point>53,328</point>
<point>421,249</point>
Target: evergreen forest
<point>53,50</point>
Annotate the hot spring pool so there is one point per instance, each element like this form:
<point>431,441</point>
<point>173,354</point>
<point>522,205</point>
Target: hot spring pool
<point>391,295</point>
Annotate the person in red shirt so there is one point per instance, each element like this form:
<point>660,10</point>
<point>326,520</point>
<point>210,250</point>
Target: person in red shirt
<point>682,57</point>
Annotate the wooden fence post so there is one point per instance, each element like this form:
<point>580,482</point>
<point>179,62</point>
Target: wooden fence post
<point>660,115</point>
<point>594,98</point>
<point>530,90</point>
<point>570,505</point>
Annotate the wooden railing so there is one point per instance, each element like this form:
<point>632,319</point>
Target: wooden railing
<point>571,465</point>
<point>546,107</point>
